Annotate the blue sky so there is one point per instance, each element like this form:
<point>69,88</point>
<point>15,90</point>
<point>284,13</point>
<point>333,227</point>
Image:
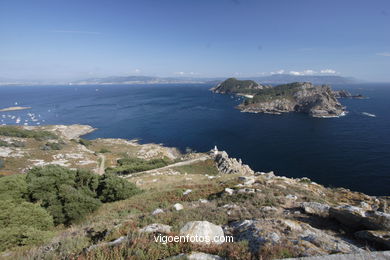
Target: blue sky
<point>75,39</point>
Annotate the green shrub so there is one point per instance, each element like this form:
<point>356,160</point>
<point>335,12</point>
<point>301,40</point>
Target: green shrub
<point>55,187</point>
<point>52,146</point>
<point>85,142</point>
<point>24,213</point>
<point>133,165</point>
<point>14,131</point>
<point>13,187</point>
<point>111,188</point>
<point>104,150</point>
<point>76,203</point>
<point>15,143</point>
<point>69,195</point>
<point>23,224</point>
<point>4,143</point>
<point>22,236</point>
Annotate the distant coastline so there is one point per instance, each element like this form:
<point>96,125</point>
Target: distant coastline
<point>13,108</point>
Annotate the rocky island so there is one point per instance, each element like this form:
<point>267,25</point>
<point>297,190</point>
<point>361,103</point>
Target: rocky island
<point>110,198</point>
<point>317,101</point>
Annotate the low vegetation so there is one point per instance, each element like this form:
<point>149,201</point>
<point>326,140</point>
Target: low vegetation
<point>281,91</point>
<point>232,85</point>
<point>31,204</point>
<point>14,131</point>
<point>104,150</point>
<point>52,146</point>
<point>133,165</point>
<point>13,143</point>
<point>85,142</point>
<point>203,167</point>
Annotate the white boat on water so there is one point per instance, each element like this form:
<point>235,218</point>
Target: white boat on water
<point>368,114</point>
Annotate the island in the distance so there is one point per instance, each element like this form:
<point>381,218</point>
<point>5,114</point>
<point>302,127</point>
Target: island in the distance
<point>13,109</point>
<point>317,101</point>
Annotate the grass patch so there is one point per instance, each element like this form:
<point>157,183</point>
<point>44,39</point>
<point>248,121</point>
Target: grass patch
<point>133,165</point>
<point>52,146</point>
<point>85,142</point>
<point>104,150</point>
<point>142,246</point>
<point>14,143</point>
<point>14,131</point>
<point>203,167</point>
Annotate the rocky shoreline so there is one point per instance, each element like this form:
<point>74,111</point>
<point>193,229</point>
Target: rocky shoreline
<point>209,193</point>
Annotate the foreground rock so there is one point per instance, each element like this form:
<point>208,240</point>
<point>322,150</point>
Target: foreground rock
<point>357,218</point>
<point>379,237</point>
<point>196,256</point>
<point>316,208</point>
<point>358,256</point>
<point>204,230</point>
<point>156,227</point>
<point>305,238</point>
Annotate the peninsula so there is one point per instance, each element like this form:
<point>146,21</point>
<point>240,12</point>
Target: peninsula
<point>317,101</point>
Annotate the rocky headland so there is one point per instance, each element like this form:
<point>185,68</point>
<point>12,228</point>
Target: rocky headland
<point>317,101</point>
<point>213,194</point>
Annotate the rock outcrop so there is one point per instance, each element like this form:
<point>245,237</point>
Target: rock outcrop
<point>345,94</point>
<point>227,165</point>
<point>156,227</point>
<point>378,237</point>
<point>358,218</point>
<point>195,256</point>
<point>204,230</point>
<point>269,231</point>
<point>315,208</point>
<point>317,101</point>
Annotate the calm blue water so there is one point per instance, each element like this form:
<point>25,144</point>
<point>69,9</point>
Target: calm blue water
<point>352,151</point>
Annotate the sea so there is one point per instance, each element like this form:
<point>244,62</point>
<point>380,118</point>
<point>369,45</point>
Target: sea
<point>352,151</point>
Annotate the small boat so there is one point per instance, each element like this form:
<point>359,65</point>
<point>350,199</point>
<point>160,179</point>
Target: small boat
<point>368,114</point>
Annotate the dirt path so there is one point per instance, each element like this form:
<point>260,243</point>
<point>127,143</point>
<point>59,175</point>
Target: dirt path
<point>188,162</point>
<point>101,166</point>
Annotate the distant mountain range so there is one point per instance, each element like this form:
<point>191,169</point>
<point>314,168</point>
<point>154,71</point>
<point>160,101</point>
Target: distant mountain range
<point>124,80</point>
<point>272,79</point>
<point>315,79</point>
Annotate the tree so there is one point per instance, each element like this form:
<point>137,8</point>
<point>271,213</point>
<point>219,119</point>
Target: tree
<point>13,187</point>
<point>112,188</point>
<point>69,195</point>
<point>65,193</point>
<point>23,223</point>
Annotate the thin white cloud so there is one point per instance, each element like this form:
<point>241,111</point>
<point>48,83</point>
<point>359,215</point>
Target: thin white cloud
<point>385,54</point>
<point>309,72</point>
<point>296,73</point>
<point>304,72</point>
<point>277,72</point>
<point>182,73</point>
<point>328,71</point>
<point>74,32</point>
<point>137,71</point>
